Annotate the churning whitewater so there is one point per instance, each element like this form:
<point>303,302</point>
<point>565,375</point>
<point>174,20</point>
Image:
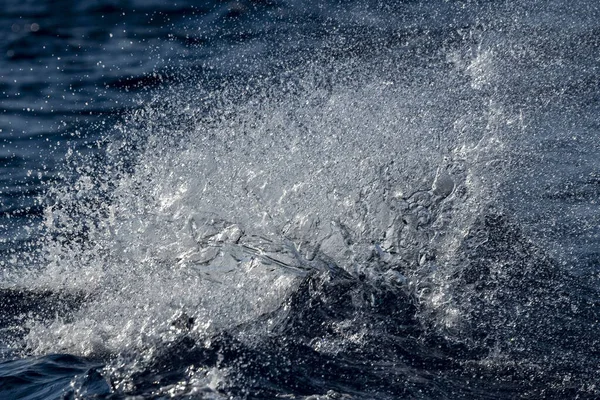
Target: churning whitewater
<point>353,223</point>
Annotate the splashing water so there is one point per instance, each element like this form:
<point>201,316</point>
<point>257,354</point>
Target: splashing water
<point>224,211</point>
<point>221,219</point>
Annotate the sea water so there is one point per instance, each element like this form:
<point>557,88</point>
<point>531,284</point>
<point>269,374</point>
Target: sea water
<point>351,199</point>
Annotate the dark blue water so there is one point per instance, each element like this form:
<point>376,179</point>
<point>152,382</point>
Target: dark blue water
<point>316,200</point>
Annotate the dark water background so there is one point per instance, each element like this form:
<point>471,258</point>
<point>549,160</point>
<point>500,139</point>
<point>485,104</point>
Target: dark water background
<point>500,302</point>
